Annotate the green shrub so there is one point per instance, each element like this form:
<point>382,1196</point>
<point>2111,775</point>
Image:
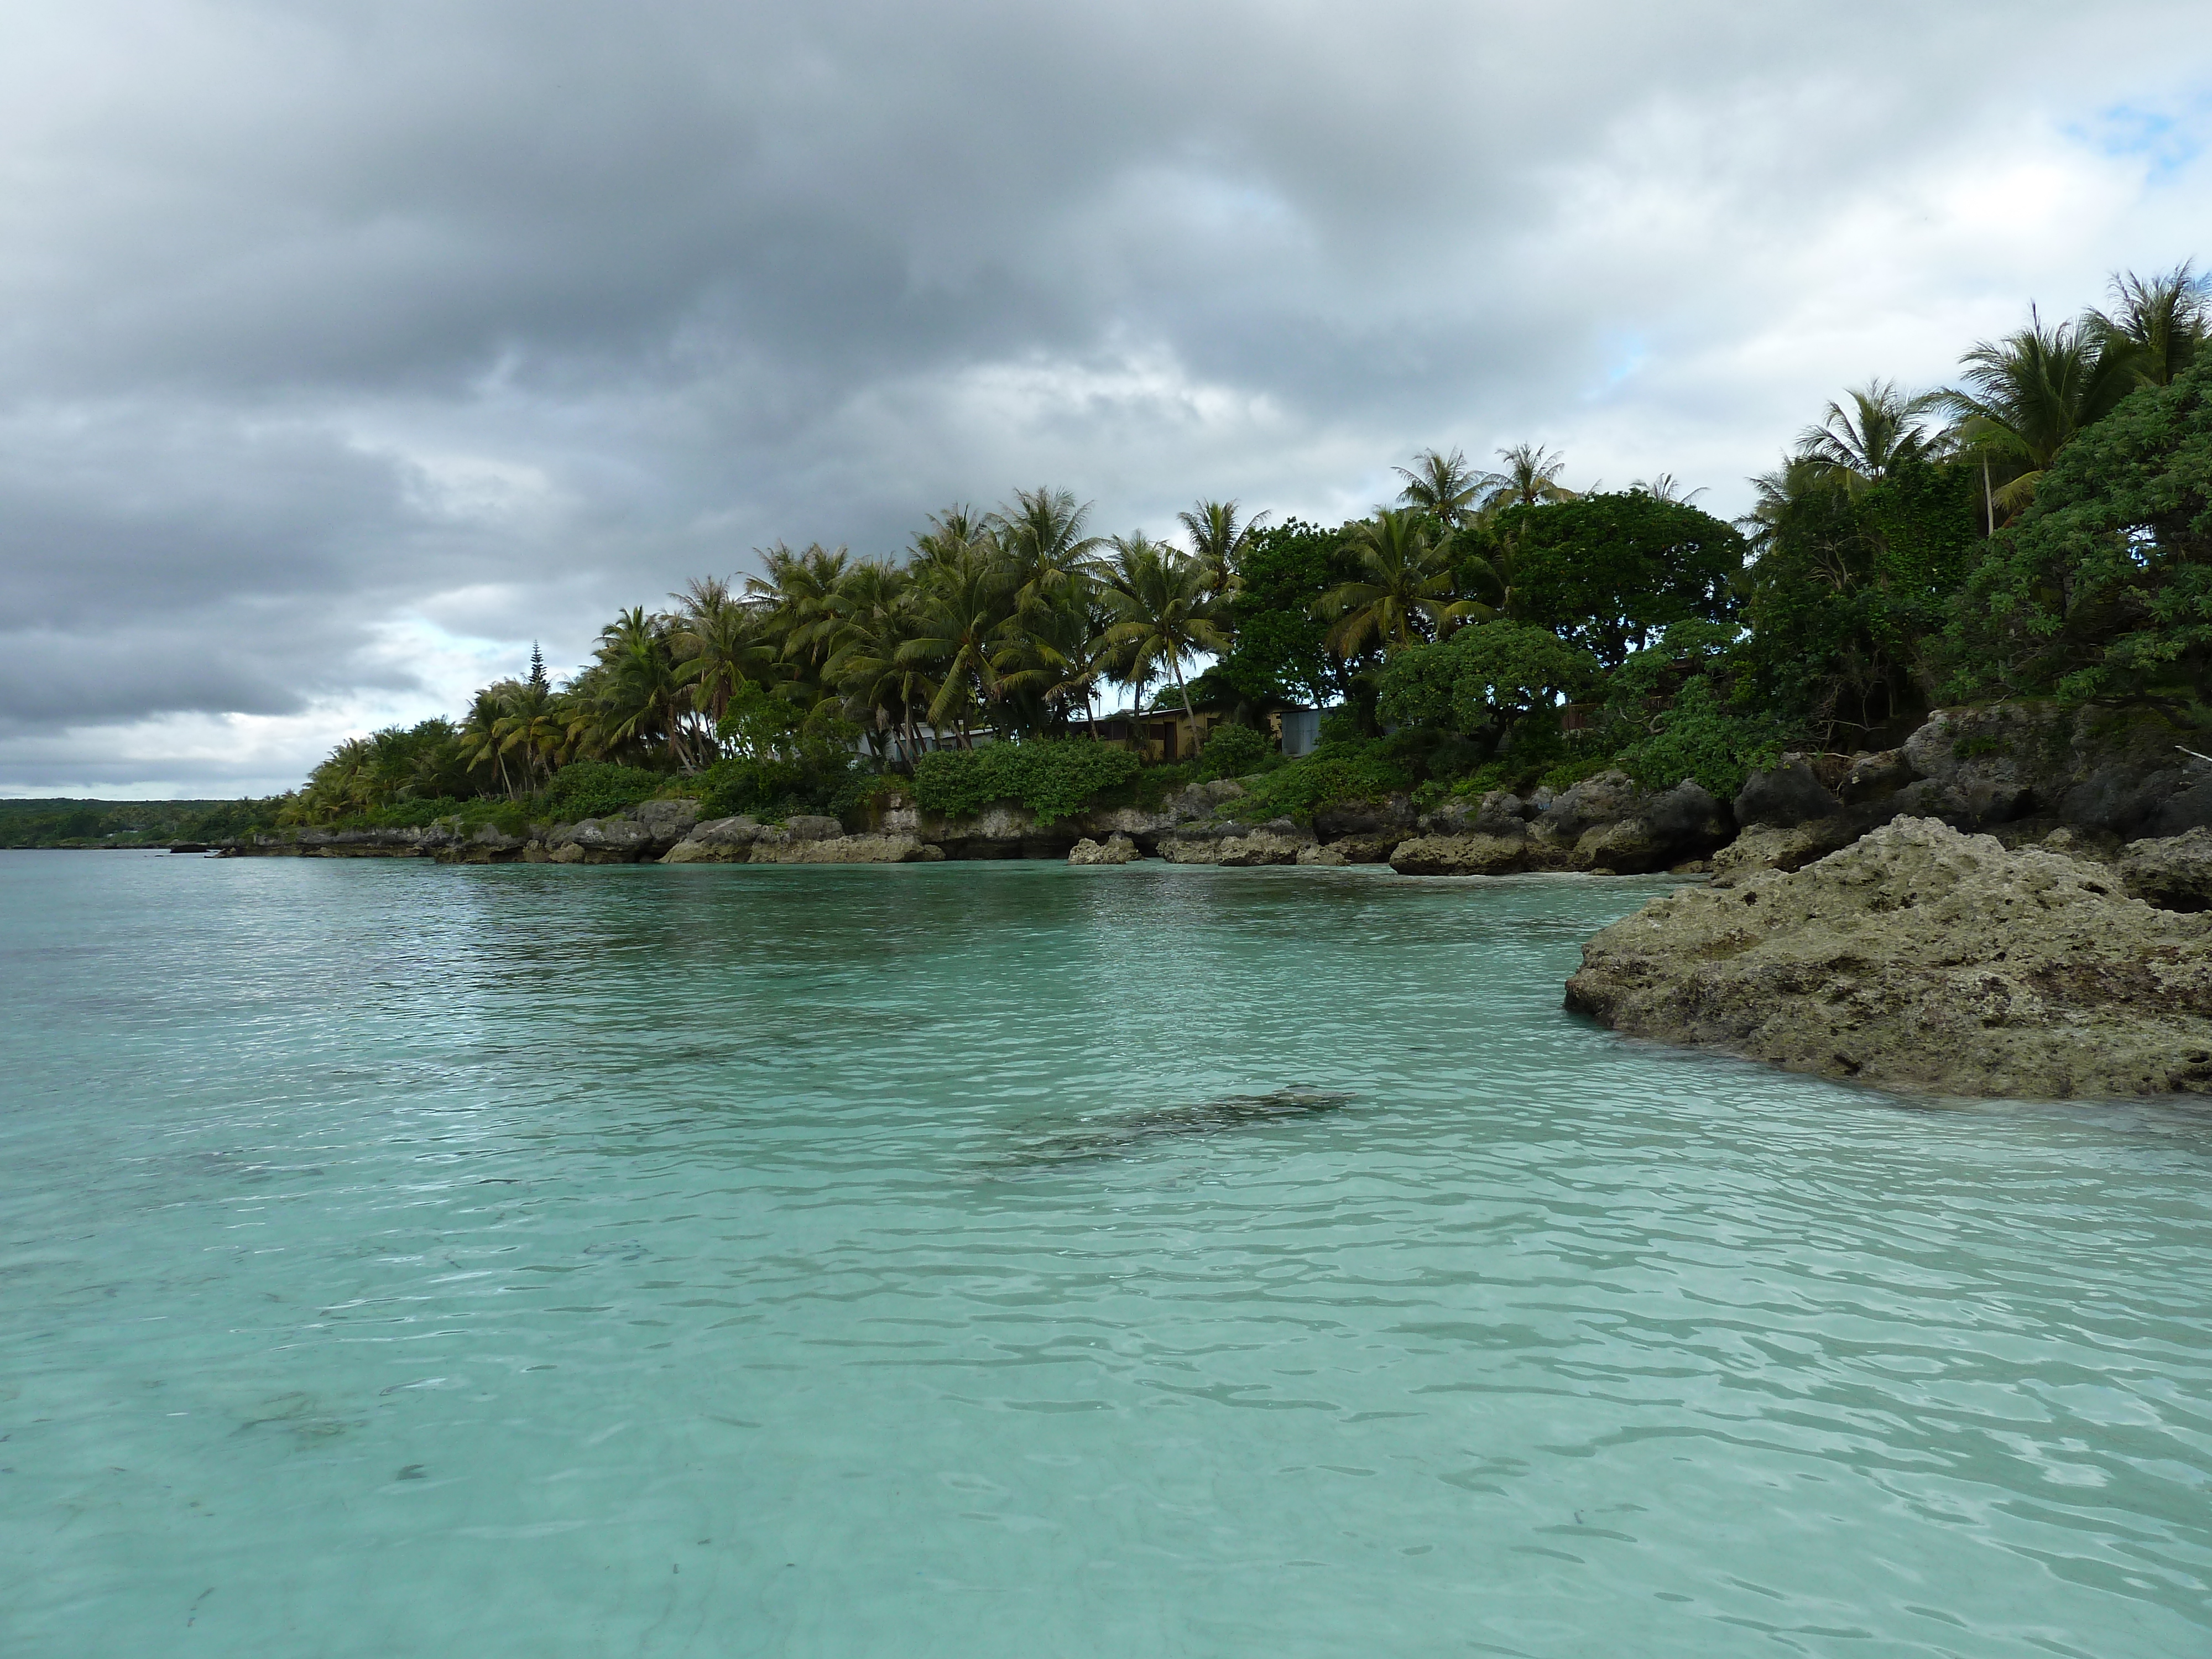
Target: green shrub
<point>598,789</point>
<point>1054,779</point>
<point>1702,738</point>
<point>759,787</point>
<point>1234,751</point>
<point>1362,771</point>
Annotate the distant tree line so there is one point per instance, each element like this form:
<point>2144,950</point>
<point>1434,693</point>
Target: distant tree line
<point>2042,528</point>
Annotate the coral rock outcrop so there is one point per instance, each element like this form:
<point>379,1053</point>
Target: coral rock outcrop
<point>1921,959</point>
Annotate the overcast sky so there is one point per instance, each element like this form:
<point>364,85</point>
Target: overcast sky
<point>345,349</point>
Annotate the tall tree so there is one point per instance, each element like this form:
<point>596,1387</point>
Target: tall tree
<point>797,593</point>
<point>1164,612</point>
<point>1863,442</point>
<point>1220,540</point>
<point>965,603</point>
<point>1443,486</point>
<point>2025,398</point>
<point>1040,534</point>
<point>2158,325</point>
<point>1404,592</point>
<point>1531,479</point>
<point>1608,571</point>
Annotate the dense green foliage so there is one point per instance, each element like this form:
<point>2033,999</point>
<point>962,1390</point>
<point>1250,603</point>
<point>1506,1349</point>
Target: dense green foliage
<point>1700,736</point>
<point>1361,770</point>
<point>2104,589</point>
<point>1848,603</point>
<point>1281,651</point>
<point>1233,751</point>
<point>1606,573</point>
<point>1485,675</point>
<point>598,789</point>
<point>1053,780</point>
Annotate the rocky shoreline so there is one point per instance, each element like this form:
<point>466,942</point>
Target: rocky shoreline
<point>2105,786</point>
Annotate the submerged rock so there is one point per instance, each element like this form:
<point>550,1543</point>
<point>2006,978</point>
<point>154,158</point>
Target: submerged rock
<point>1119,1137</point>
<point>1923,959</point>
<point>601,840</point>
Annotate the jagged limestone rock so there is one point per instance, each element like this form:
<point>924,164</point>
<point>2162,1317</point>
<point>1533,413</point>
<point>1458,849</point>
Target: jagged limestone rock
<point>846,850</point>
<point>2173,872</point>
<point>1367,849</point>
<point>1331,857</point>
<point>1921,959</point>
<point>1191,849</point>
<point>1784,796</point>
<point>1277,842</point>
<point>703,851</point>
<point>1114,849</point>
<point>718,840</point>
<point>1474,855</point>
<point>666,820</point>
<point>1763,847</point>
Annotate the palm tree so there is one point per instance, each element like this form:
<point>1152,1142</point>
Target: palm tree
<point>1444,486</point>
<point>640,694</point>
<point>1865,443</point>
<point>1041,536</point>
<point>530,721</point>
<point>1218,541</point>
<point>2161,325</point>
<point>798,597</point>
<point>717,645</point>
<point>1666,487</point>
<point>1408,581</point>
<point>2027,396</point>
<point>1163,610</point>
<point>956,530</point>
<point>964,605</point>
<point>1056,658</point>
<point>1531,479</point>
<point>876,615</point>
<point>1798,477</point>
<point>480,742</point>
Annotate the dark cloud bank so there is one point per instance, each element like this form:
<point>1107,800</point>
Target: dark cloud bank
<point>343,354</point>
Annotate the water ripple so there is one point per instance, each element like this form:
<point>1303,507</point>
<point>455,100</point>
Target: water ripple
<point>1014,1260</point>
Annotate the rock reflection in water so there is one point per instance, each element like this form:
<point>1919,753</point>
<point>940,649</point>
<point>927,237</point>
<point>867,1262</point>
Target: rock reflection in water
<point>1119,1137</point>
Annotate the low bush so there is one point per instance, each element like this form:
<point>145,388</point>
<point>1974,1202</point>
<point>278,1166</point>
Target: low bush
<point>596,789</point>
<point>1235,752</point>
<point>1702,738</point>
<point>1369,770</point>
<point>1055,779</point>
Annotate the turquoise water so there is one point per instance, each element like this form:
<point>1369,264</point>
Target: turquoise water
<point>404,1259</point>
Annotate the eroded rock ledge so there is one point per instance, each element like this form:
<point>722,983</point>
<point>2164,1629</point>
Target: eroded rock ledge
<point>1926,960</point>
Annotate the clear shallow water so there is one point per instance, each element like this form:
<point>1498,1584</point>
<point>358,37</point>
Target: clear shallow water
<point>822,1262</point>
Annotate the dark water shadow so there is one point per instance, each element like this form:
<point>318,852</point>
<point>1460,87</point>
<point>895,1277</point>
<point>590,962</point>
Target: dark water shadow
<point>1117,1137</point>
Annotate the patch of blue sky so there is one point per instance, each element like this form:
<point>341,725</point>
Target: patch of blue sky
<point>1623,356</point>
<point>2167,140</point>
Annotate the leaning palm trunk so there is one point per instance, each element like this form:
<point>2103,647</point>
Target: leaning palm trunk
<point>1188,712</point>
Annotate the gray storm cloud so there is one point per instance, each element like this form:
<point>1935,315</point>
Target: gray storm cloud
<point>478,320</point>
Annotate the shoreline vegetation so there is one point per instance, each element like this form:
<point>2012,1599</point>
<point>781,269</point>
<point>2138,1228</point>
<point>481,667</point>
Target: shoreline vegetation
<point>2039,532</point>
